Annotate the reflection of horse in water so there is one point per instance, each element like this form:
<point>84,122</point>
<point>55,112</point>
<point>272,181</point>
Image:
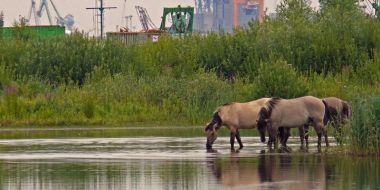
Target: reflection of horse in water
<point>273,171</point>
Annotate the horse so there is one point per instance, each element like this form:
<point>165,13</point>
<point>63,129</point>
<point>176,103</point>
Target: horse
<point>235,116</point>
<point>294,113</point>
<point>339,111</point>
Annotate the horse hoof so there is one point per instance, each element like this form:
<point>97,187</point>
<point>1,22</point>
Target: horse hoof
<point>211,150</point>
<point>241,148</point>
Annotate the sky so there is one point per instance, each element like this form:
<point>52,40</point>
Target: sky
<point>114,18</point>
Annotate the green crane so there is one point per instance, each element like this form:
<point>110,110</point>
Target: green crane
<point>376,6</point>
<point>181,18</point>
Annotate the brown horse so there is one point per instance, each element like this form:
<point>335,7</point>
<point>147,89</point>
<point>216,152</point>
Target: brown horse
<point>339,111</point>
<point>235,116</point>
<point>294,113</point>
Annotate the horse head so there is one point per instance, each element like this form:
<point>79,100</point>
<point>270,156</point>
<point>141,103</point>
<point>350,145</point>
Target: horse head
<point>211,135</point>
<point>262,122</point>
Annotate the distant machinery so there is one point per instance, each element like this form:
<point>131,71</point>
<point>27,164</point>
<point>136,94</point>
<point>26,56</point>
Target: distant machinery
<point>181,19</point>
<point>225,15</point>
<point>145,20</point>
<point>67,21</point>
<point>1,19</point>
<point>371,7</point>
<point>101,15</point>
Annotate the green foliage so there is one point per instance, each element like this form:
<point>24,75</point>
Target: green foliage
<point>368,73</point>
<point>279,79</point>
<point>88,106</point>
<point>365,124</point>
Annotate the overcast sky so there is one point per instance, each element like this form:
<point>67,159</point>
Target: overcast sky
<point>84,19</point>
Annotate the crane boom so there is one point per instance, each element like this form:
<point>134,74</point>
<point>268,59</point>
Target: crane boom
<point>145,20</point>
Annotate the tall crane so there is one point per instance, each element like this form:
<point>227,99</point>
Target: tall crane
<point>145,20</point>
<point>67,21</point>
<point>32,10</point>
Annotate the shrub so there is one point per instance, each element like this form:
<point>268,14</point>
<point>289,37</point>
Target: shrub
<point>279,79</point>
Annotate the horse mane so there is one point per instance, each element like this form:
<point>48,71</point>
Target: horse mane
<point>266,111</point>
<point>228,103</point>
<point>215,119</point>
<point>271,104</point>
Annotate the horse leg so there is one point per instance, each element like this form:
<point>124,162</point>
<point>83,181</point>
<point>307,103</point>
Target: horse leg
<point>319,129</point>
<point>306,134</point>
<point>239,139</point>
<point>232,139</point>
<point>324,129</point>
<point>301,131</point>
<point>281,135</point>
<point>272,137</point>
<point>287,135</point>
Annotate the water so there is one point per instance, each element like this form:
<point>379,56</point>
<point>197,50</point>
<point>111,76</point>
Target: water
<point>175,163</point>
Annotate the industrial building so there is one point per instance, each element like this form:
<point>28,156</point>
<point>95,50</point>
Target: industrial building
<point>225,15</point>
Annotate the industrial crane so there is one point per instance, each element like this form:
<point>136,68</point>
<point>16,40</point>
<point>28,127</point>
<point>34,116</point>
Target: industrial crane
<point>373,5</point>
<point>145,20</point>
<point>67,21</point>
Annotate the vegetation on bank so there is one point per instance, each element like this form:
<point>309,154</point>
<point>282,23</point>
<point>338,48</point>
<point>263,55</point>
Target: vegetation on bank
<point>79,80</point>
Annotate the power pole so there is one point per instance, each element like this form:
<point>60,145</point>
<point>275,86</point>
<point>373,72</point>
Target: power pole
<point>101,10</point>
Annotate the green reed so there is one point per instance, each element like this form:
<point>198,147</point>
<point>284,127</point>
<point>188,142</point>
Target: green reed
<point>365,125</point>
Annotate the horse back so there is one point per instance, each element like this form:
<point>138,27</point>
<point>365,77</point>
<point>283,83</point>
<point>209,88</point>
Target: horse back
<point>242,115</point>
<point>298,111</point>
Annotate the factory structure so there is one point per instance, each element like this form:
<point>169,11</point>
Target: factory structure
<point>225,15</point>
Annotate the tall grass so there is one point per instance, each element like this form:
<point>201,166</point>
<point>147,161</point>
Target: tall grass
<point>365,125</point>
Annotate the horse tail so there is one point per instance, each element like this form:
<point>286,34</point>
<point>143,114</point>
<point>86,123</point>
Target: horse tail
<point>327,116</point>
<point>346,110</point>
<point>215,120</point>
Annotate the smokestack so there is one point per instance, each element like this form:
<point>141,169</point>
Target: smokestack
<point>1,19</point>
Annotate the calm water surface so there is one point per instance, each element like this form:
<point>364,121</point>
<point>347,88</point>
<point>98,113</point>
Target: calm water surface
<point>175,163</point>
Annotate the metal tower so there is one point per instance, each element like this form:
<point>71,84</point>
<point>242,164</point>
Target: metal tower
<point>101,10</point>
<point>1,19</point>
<point>32,10</point>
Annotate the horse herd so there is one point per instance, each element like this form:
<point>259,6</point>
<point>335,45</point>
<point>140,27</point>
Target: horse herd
<point>277,116</point>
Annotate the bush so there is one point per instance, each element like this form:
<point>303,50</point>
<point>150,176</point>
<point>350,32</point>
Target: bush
<point>279,79</point>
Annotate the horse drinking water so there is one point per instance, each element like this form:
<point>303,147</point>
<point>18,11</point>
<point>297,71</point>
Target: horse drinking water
<point>235,116</point>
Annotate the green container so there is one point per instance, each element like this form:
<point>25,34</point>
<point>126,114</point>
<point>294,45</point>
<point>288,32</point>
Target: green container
<point>38,31</point>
